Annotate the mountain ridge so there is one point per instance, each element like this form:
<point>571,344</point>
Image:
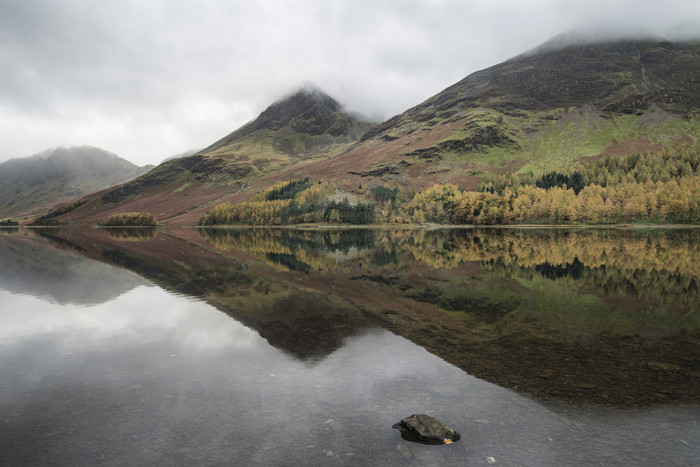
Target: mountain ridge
<point>533,113</point>
<point>501,119</point>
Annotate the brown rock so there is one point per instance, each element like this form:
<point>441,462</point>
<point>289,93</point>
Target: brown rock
<point>425,429</point>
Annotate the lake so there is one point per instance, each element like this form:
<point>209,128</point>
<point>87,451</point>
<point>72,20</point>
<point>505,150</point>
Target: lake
<point>293,347</point>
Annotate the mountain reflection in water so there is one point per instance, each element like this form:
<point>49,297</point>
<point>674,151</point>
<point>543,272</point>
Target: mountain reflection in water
<point>604,316</point>
<point>595,332</point>
<point>28,267</point>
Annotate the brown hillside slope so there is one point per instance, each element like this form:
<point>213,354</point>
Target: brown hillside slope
<point>550,109</point>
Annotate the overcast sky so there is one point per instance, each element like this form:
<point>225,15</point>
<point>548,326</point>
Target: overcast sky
<point>148,79</point>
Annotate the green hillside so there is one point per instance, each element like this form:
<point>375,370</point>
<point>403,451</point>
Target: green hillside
<point>545,110</point>
<point>305,125</point>
<point>557,108</point>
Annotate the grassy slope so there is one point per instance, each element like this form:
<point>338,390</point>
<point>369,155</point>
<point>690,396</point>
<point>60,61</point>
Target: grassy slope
<point>420,154</point>
<point>305,126</point>
<point>181,190</point>
<point>542,111</point>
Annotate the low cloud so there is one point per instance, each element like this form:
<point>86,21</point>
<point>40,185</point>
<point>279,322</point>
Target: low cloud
<point>147,80</point>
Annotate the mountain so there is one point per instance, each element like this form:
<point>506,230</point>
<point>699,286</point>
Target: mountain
<point>544,110</point>
<point>305,125</point>
<point>553,108</point>
<point>36,183</point>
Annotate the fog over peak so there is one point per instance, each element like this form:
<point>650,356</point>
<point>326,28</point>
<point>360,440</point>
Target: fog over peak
<point>606,34</point>
<point>584,37</point>
<point>147,80</point>
<point>308,88</point>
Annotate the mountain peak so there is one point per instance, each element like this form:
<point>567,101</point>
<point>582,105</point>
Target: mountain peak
<point>308,98</point>
<point>311,90</point>
<point>299,121</point>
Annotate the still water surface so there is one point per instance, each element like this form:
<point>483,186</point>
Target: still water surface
<point>260,348</point>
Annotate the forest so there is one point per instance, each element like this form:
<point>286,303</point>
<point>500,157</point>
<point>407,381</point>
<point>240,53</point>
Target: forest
<point>297,201</point>
<point>657,187</point>
<point>131,219</point>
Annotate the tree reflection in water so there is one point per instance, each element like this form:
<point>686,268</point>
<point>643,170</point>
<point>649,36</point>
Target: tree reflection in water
<point>592,315</point>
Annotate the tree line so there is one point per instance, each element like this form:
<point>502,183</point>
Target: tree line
<point>676,201</point>
<point>670,163</point>
<point>657,187</point>
<point>131,219</point>
<point>297,201</point>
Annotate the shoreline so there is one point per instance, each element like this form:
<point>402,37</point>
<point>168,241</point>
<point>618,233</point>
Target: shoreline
<point>382,226</point>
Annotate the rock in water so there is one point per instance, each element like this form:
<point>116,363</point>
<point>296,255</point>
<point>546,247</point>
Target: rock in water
<point>425,429</point>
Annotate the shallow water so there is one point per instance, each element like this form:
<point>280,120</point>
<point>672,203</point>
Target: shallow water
<point>264,366</point>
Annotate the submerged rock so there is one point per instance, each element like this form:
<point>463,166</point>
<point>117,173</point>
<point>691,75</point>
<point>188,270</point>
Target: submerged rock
<point>425,429</point>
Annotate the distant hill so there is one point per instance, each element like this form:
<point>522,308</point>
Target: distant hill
<point>55,275</point>
<point>34,184</point>
<point>553,108</point>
